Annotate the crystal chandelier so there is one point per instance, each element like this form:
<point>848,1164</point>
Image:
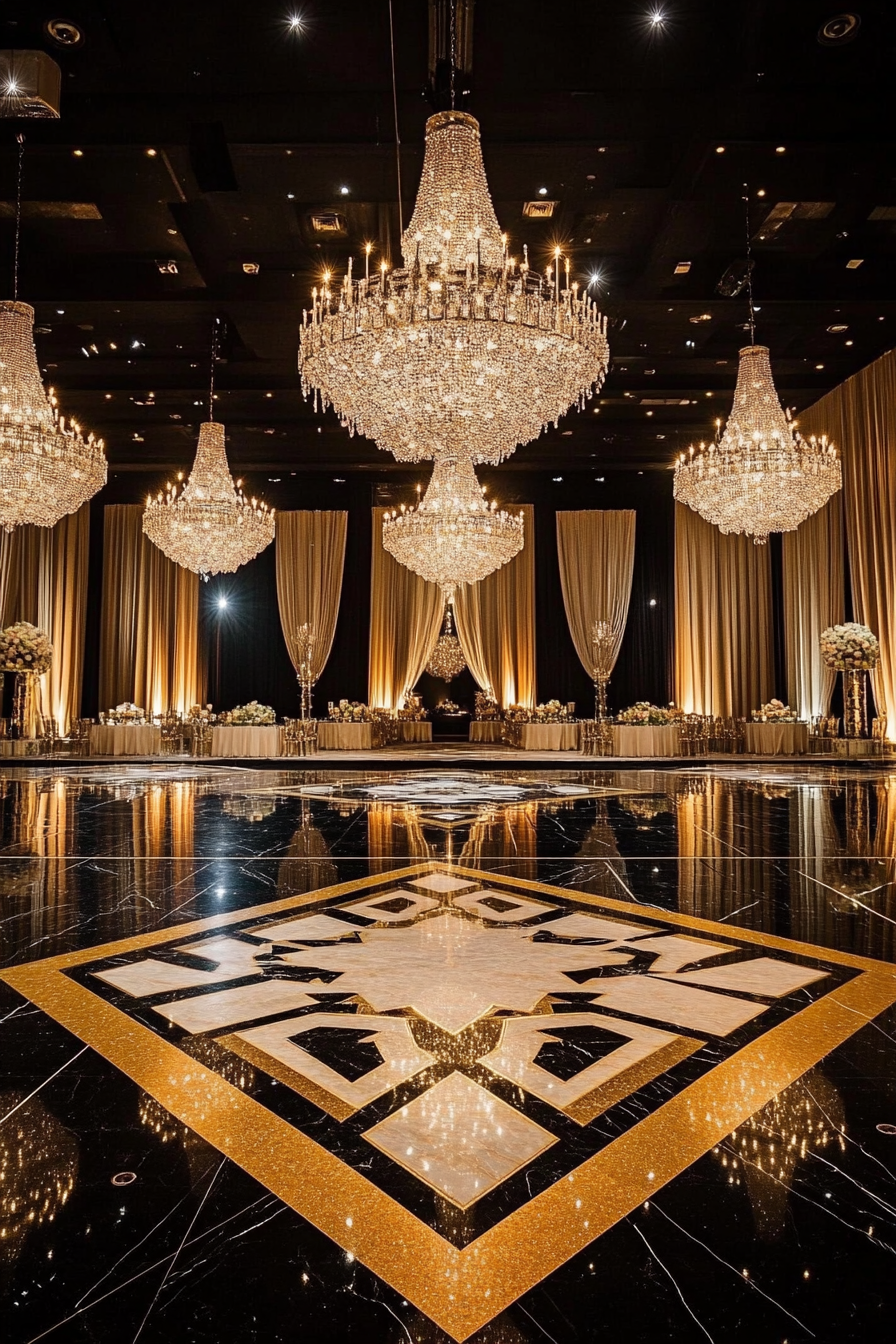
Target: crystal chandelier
<point>461,346</point>
<point>208,526</point>
<point>453,535</point>
<point>761,475</point>
<point>447,659</point>
<point>47,468</point>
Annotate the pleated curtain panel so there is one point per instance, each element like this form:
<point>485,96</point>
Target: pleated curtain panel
<point>149,636</point>
<point>310,549</point>
<point>496,625</point>
<point>723,649</point>
<point>43,579</point>
<point>405,617</point>
<point>860,416</point>
<point>596,552</point>
<point>813,600</point>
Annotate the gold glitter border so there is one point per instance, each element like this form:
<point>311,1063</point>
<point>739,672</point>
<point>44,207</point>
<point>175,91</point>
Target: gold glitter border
<point>461,1290</point>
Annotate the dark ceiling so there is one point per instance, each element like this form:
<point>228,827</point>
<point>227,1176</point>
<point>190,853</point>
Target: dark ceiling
<point>207,134</point>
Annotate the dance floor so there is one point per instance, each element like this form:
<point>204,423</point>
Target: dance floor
<point>511,1055</point>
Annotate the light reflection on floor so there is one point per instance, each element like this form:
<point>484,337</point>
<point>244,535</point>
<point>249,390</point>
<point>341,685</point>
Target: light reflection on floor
<point>558,1043</point>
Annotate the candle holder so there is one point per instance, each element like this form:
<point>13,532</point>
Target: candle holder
<point>306,637</point>
<point>855,703</point>
<point>603,643</point>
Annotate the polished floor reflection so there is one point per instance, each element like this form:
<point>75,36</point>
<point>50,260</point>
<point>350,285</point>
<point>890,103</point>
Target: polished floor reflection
<point>440,1055</point>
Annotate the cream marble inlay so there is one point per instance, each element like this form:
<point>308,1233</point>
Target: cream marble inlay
<point>460,1139</point>
<point>762,975</point>
<point>208,1012</point>
<point>442,882</point>
<point>662,1001</point>
<point>376,907</point>
<point>308,928</point>
<point>500,907</point>
<point>583,925</point>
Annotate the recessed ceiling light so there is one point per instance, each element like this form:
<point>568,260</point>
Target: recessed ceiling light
<point>761,191</point>
<point>290,195</point>
<point>720,149</point>
<point>343,191</point>
<point>64,32</point>
<point>819,366</point>
<point>557,478</point>
<point>542,191</point>
<point>648,413</point>
<point>848,342</point>
<point>151,153</point>
<point>854,264</point>
<point>251,268</point>
<point>78,153</point>
<point>682,267</point>
<point>60,311</point>
<point>781,149</point>
<point>269,394</point>
<point>701,317</point>
<point>337,480</point>
<point>836,327</point>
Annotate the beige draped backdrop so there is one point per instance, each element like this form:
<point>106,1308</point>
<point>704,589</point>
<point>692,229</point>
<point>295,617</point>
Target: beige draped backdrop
<point>596,551</point>
<point>43,579</point>
<point>405,616</point>
<point>496,624</point>
<point>860,416</point>
<point>149,635</point>
<point>310,557</point>
<point>813,600</point>
<point>723,650</point>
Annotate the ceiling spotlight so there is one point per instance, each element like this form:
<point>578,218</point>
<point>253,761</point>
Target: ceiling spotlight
<point>78,153</point>
<point>151,153</point>
<point>542,191</point>
<point>761,191</point>
<point>222,603</point>
<point>682,268</point>
<point>720,149</point>
<point>819,366</point>
<point>780,149</point>
<point>251,268</point>
<point>343,191</point>
<point>295,23</point>
<point>701,317</point>
<point>836,327</point>
<point>657,18</point>
<point>838,29</point>
<point>848,342</point>
<point>63,32</point>
<point>854,264</point>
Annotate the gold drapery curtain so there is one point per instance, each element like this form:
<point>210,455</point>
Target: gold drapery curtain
<point>596,551</point>
<point>723,651</point>
<point>310,558</point>
<point>149,636</point>
<point>496,624</point>
<point>43,579</point>
<point>860,416</point>
<point>813,600</point>
<point>405,616</point>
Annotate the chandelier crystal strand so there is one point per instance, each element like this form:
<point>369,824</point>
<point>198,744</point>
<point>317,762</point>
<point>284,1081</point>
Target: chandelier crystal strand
<point>209,526</point>
<point>461,346</point>
<point>447,659</point>
<point>761,476</point>
<point>453,536</point>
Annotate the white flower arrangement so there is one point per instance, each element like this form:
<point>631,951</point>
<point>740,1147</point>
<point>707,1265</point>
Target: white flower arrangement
<point>252,713</point>
<point>850,647</point>
<point>24,648</point>
<point>126,712</point>
<point>774,712</point>
<point>642,711</point>
<point>350,711</point>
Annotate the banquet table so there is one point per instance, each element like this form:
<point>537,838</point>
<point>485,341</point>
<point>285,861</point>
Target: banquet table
<point>549,736</point>
<point>334,736</point>
<point>776,739</point>
<point>410,730</point>
<point>487,730</point>
<point>646,739</point>
<point>125,739</point>
<point>240,739</point>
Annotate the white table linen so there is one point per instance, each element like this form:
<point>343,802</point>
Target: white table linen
<point>239,739</point>
<point>549,736</point>
<point>777,739</point>
<point>646,739</point>
<point>333,736</point>
<point>410,730</point>
<point>125,739</point>
<point>487,730</point>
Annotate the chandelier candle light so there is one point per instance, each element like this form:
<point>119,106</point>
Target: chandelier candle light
<point>453,535</point>
<point>760,475</point>
<point>208,526</point>
<point>461,346</point>
<point>47,467</point>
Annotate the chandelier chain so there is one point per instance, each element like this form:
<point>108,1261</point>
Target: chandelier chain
<point>453,22</point>
<point>211,376</point>
<point>395,113</point>
<point>15,264</point>
<point>746,200</point>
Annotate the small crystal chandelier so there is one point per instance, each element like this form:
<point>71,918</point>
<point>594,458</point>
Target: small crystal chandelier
<point>760,475</point>
<point>447,659</point>
<point>47,468</point>
<point>208,526</point>
<point>453,535</point>
<point>461,346</point>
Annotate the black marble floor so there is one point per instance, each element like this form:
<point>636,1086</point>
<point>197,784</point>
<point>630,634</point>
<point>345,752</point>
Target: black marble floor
<point>234,1109</point>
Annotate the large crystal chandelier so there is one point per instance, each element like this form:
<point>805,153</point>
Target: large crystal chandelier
<point>453,535</point>
<point>761,476</point>
<point>446,661</point>
<point>47,468</point>
<point>208,526</point>
<point>461,351</point>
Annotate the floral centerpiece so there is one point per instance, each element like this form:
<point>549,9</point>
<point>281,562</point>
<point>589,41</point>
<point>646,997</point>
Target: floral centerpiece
<point>642,711</point>
<point>486,706</point>
<point>449,707</point>
<point>126,712</point>
<point>412,710</point>
<point>200,714</point>
<point>774,712</point>
<point>850,647</point>
<point>251,713</point>
<point>24,648</point>
<point>350,711</point>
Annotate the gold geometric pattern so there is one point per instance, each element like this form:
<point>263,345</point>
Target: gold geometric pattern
<point>462,1059</point>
